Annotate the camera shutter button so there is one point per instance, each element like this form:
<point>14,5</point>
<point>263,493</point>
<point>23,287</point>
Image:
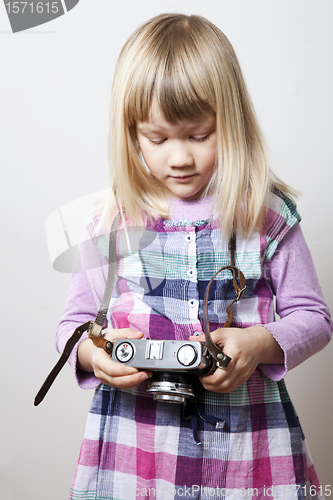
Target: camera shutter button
<point>186,355</point>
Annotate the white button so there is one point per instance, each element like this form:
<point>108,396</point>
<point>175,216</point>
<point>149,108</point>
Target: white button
<point>190,272</point>
<point>192,302</point>
<point>196,334</point>
<point>189,237</point>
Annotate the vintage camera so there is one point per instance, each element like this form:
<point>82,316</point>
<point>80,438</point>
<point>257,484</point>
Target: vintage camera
<point>176,365</point>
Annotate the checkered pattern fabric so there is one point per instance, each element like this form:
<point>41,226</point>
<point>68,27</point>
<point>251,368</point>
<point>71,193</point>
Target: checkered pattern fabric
<point>135,447</point>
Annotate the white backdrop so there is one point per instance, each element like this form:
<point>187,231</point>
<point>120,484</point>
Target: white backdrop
<point>55,85</point>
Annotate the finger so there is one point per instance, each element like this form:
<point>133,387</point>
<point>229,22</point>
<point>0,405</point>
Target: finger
<point>217,377</point>
<point>217,337</point>
<point>123,333</point>
<point>200,338</point>
<point>124,382</point>
<point>221,378</point>
<point>223,386</point>
<point>221,334</point>
<point>104,363</point>
<point>231,385</point>
<point>229,382</point>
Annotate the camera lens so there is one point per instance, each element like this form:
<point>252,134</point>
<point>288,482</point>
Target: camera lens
<point>171,387</point>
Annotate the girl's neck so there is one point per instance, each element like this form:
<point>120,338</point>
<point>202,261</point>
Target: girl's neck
<point>191,209</point>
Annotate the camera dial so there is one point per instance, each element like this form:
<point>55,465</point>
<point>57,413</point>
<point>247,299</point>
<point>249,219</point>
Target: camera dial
<point>124,352</point>
<point>187,355</point>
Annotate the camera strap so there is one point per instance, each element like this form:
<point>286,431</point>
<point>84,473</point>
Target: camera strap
<point>217,353</point>
<point>94,327</point>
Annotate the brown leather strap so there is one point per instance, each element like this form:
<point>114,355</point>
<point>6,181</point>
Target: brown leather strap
<point>94,327</point>
<point>61,362</point>
<point>214,349</point>
<point>102,342</point>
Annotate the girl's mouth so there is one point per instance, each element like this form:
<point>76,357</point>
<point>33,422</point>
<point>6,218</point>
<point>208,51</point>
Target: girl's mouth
<point>183,178</point>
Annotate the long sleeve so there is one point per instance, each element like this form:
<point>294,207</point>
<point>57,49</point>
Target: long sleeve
<point>305,326</point>
<point>85,292</point>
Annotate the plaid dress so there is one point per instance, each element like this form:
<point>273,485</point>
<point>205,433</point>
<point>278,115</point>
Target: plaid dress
<point>252,445</point>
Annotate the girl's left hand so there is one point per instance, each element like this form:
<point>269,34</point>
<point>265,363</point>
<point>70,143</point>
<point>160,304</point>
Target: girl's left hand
<point>247,347</point>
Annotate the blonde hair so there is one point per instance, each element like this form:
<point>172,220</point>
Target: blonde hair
<point>189,66</point>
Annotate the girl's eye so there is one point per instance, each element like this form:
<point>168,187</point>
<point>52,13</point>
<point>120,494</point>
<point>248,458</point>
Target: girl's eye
<point>201,139</point>
<point>157,142</point>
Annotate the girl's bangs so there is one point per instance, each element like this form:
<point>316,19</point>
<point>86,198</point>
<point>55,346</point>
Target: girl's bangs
<point>179,81</point>
<point>181,94</point>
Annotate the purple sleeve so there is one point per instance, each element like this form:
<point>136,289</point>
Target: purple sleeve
<point>305,326</point>
<point>85,292</point>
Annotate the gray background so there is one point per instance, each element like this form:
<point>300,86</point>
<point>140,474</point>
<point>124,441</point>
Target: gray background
<point>55,86</point>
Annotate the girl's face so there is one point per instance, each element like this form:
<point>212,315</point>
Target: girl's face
<point>180,155</point>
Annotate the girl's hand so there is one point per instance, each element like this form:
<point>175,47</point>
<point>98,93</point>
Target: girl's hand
<point>247,347</point>
<point>95,359</point>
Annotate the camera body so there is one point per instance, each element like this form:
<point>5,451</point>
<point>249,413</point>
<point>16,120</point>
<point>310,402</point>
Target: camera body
<point>176,365</point>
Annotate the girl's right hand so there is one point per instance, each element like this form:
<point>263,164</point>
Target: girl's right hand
<point>95,359</point>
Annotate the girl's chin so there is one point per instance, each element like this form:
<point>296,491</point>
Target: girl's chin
<point>187,196</point>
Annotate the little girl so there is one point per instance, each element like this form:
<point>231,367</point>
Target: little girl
<point>188,163</point>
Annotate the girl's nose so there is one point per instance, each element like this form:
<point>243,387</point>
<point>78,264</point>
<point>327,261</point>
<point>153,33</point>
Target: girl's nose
<point>180,155</point>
